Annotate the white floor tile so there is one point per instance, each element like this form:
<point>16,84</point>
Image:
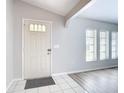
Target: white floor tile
<point>12,87</point>
<point>19,87</point>
<point>9,92</point>
<point>33,90</point>
<point>73,84</point>
<point>54,88</point>
<point>64,86</point>
<point>58,77</point>
<point>69,91</point>
<point>59,81</point>
<point>21,82</point>
<point>79,90</point>
<point>65,76</point>
<point>44,89</point>
<point>69,79</point>
<point>56,82</point>
<point>20,91</point>
<point>58,92</point>
<point>53,77</point>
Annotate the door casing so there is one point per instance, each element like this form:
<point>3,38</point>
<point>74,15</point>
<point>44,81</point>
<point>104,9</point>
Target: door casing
<point>23,21</point>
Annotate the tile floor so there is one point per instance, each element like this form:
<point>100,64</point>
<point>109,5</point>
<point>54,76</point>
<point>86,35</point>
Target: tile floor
<point>64,84</point>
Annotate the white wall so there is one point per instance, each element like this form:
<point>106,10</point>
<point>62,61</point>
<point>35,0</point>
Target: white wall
<point>9,42</point>
<point>70,55</point>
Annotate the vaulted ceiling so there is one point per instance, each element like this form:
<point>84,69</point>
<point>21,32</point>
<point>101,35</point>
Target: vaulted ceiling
<point>102,10</point>
<point>61,7</point>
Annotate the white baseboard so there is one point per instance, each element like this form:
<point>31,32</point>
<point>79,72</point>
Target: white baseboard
<point>12,81</point>
<point>84,70</point>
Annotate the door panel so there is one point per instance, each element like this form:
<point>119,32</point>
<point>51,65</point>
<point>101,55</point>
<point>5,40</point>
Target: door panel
<point>36,45</point>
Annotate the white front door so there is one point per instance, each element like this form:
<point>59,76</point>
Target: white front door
<point>37,48</point>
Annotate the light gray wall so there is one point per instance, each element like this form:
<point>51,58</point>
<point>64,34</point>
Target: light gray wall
<point>9,42</point>
<point>70,56</point>
<point>77,29</point>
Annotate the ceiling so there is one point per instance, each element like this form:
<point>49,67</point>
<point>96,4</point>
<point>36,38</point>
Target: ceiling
<point>102,10</point>
<point>61,7</point>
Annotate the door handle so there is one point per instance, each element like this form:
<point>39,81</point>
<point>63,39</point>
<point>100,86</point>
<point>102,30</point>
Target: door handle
<point>48,49</point>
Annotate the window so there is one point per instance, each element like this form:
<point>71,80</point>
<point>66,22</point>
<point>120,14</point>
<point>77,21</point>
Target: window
<point>114,45</point>
<point>104,45</point>
<point>31,27</point>
<point>37,28</point>
<point>91,45</point>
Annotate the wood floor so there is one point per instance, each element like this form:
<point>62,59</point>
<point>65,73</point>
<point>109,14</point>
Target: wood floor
<point>100,81</point>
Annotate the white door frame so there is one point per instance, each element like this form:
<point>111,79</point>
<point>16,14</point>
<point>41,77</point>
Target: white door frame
<point>23,20</point>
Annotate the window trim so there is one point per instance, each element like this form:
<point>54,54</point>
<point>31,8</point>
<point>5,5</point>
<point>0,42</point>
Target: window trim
<point>108,55</point>
<point>91,44</point>
<point>115,44</point>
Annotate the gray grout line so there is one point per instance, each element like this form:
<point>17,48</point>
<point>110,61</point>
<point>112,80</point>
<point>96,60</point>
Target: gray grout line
<point>68,84</point>
<point>13,90</point>
<point>56,91</point>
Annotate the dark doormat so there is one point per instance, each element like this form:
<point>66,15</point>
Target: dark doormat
<point>33,83</point>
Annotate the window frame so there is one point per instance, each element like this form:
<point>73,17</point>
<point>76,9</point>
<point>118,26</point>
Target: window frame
<point>106,45</point>
<point>37,27</point>
<point>116,44</point>
<point>94,45</point>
